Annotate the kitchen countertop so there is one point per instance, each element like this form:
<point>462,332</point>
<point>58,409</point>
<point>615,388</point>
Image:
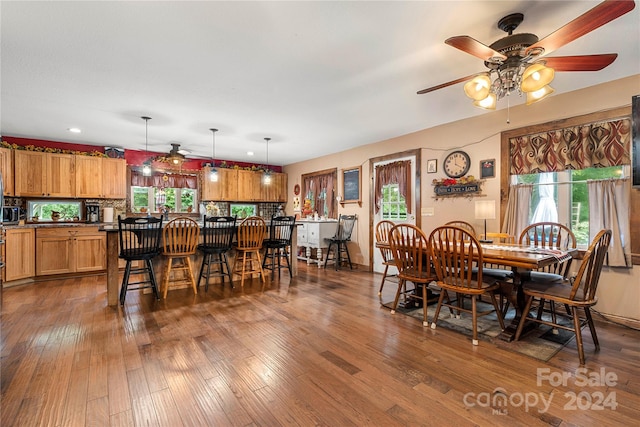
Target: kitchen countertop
<point>59,224</point>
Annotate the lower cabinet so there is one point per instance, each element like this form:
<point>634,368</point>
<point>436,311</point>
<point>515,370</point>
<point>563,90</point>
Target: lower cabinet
<point>19,253</point>
<point>70,250</point>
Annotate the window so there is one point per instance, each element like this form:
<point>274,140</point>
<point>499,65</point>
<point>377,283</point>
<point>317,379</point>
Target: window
<point>152,199</point>
<point>563,197</point>
<point>393,204</point>
<point>42,209</point>
<point>242,210</point>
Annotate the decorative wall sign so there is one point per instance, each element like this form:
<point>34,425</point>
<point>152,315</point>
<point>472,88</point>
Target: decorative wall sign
<point>351,185</point>
<point>488,168</point>
<point>462,187</point>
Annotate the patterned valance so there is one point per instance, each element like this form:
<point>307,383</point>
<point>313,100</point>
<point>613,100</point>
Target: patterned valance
<point>600,144</point>
<point>164,180</point>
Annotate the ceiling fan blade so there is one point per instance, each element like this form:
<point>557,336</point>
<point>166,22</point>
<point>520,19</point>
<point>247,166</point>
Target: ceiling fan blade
<point>443,85</point>
<point>581,62</point>
<point>474,47</point>
<point>605,12</point>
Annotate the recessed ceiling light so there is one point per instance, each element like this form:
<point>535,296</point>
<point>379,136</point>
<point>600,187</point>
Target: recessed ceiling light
<point>74,130</point>
<point>249,153</point>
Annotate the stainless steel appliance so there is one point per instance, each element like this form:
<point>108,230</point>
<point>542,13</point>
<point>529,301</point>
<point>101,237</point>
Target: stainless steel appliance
<point>92,213</point>
<point>10,215</point>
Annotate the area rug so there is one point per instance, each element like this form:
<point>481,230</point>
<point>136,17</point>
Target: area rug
<point>540,343</point>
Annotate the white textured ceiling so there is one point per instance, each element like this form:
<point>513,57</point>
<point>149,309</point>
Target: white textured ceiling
<point>316,77</point>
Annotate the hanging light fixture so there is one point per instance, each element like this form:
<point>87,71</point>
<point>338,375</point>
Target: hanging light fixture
<point>267,172</point>
<point>146,166</point>
<point>213,174</point>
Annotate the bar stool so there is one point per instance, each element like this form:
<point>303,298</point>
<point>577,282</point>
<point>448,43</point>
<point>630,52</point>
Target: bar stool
<point>340,239</point>
<point>250,236</point>
<point>218,234</point>
<point>277,244</point>
<point>179,240</point>
<point>139,241</point>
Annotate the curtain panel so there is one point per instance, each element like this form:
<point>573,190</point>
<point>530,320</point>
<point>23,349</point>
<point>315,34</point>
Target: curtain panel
<point>393,173</point>
<point>601,144</point>
<point>162,180</point>
<point>320,190</point>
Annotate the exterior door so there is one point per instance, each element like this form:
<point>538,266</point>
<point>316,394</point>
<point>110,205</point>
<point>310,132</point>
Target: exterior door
<point>393,206</point>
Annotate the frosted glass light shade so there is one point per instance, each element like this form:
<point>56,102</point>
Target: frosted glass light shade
<point>488,103</point>
<point>535,77</point>
<point>539,95</point>
<point>478,87</point>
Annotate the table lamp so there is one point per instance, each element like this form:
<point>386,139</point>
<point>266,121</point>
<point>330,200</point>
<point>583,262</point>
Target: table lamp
<point>486,209</point>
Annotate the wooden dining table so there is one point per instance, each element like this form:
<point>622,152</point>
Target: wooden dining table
<point>522,259</point>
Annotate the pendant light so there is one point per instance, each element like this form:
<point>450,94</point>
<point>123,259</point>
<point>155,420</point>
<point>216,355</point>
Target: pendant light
<point>146,166</point>
<point>267,172</point>
<point>213,174</point>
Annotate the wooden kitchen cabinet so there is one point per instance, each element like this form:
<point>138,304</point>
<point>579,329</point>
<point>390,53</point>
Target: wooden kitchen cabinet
<point>20,253</point>
<point>41,174</point>
<point>89,177</point>
<point>6,167</point>
<point>31,168</point>
<point>114,178</point>
<point>250,186</point>
<point>277,190</point>
<point>224,190</point>
<point>59,175</point>
<point>70,250</point>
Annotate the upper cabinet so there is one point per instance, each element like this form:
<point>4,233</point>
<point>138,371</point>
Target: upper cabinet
<point>39,174</point>
<point>114,178</point>
<point>59,175</point>
<point>6,168</point>
<point>225,189</point>
<point>31,179</point>
<point>243,186</point>
<point>89,177</point>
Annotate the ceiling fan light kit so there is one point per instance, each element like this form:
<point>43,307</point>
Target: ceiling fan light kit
<point>518,61</point>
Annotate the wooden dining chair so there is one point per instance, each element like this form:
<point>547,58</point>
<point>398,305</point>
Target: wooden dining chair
<point>579,292</point>
<point>383,229</point>
<point>250,235</point>
<point>551,235</point>
<point>179,242</point>
<point>410,251</point>
<point>454,253</point>
<point>464,225</point>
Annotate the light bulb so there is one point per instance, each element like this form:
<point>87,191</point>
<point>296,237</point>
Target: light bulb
<point>146,170</point>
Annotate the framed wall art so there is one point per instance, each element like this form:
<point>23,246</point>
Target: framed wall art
<point>432,165</point>
<point>488,168</point>
<point>351,183</point>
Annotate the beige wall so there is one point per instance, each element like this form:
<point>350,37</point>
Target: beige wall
<point>480,137</point>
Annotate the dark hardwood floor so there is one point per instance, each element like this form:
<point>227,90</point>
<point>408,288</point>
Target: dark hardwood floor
<point>316,350</point>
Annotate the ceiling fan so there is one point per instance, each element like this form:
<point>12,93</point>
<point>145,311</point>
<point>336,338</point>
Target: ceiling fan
<point>517,62</point>
<point>176,155</point>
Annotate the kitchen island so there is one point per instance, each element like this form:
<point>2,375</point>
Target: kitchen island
<point>113,277</point>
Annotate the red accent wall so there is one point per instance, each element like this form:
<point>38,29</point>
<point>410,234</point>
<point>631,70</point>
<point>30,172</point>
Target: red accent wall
<point>132,157</point>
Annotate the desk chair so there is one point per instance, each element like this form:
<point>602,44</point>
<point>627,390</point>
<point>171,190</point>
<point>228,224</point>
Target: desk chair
<point>410,250</point>
<point>139,241</point>
<point>340,239</point>
<point>179,241</point>
<point>454,252</point>
<point>383,229</point>
<point>578,292</point>
<point>278,243</point>
<point>251,233</point>
<point>218,232</point>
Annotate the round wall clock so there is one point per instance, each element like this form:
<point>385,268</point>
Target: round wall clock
<point>456,164</point>
<point>296,189</point>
